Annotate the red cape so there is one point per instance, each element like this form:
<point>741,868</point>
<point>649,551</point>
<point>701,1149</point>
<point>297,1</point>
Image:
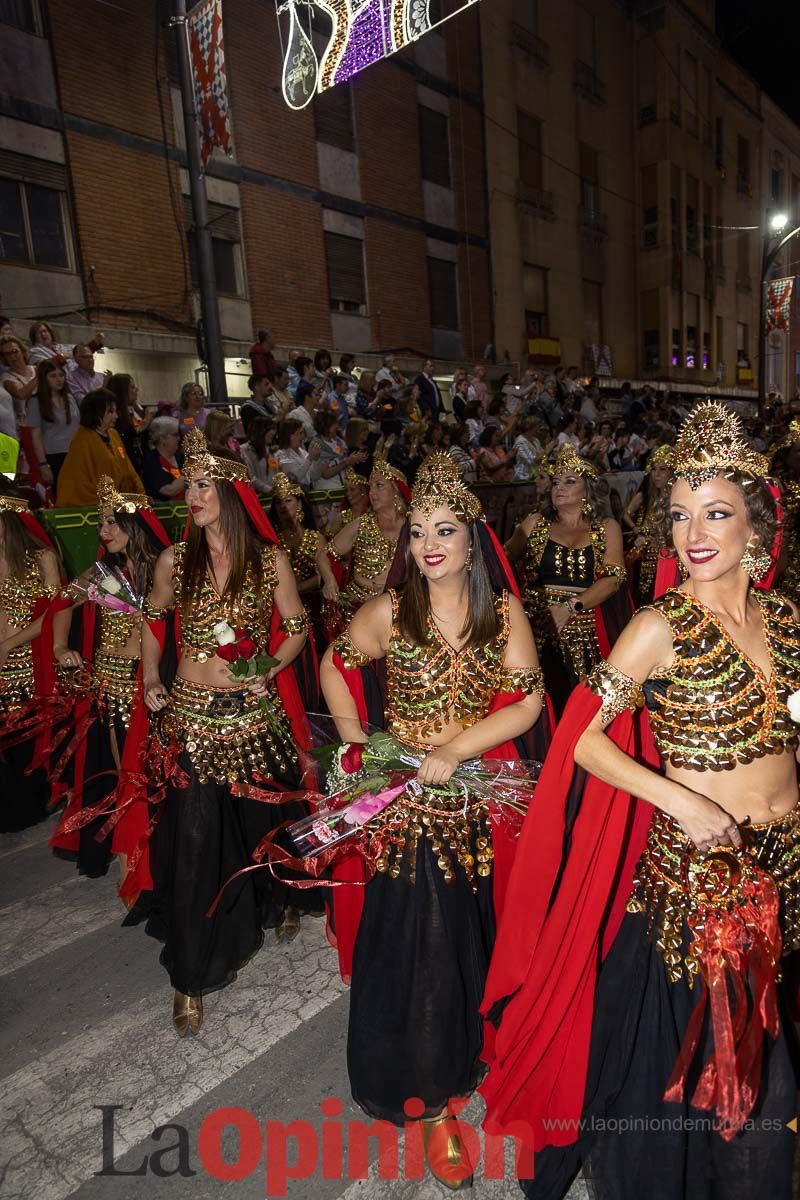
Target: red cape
<point>539,999</point>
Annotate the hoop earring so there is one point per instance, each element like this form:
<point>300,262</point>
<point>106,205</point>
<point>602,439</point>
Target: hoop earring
<point>756,565</point>
<point>468,560</point>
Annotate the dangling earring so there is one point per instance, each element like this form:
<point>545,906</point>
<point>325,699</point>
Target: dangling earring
<point>756,565</point>
<point>468,560</point>
<point>587,510</point>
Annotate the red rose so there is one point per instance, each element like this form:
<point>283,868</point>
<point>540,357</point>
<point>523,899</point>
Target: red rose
<point>247,648</point>
<point>240,633</point>
<point>351,759</point>
<point>229,653</point>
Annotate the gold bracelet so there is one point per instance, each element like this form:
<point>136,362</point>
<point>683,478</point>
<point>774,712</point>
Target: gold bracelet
<point>294,624</point>
<point>612,570</point>
<point>151,613</point>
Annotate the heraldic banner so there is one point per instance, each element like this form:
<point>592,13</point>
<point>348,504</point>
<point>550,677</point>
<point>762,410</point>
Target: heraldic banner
<point>777,302</point>
<point>207,54</point>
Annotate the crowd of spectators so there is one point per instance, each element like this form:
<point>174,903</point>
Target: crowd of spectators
<point>317,423</point>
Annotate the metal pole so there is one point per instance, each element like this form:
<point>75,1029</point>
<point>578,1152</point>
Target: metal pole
<point>212,331</point>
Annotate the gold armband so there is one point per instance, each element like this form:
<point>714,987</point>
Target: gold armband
<point>612,571</point>
<point>296,623</point>
<point>350,655</point>
<point>616,690</point>
<point>334,553</point>
<point>151,613</point>
<point>528,680</point>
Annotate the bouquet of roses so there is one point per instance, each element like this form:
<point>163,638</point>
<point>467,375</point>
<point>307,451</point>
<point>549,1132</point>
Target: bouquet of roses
<point>108,587</point>
<point>366,778</point>
<point>236,648</point>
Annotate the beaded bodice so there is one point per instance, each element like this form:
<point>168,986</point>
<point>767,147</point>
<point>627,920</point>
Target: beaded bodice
<point>302,555</point>
<point>550,564</point>
<point>429,685</point>
<point>372,550</point>
<point>18,596</point>
<point>250,610</point>
<point>713,707</point>
<point>114,629</point>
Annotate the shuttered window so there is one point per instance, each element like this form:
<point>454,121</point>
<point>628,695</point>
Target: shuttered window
<point>443,290</point>
<point>225,239</point>
<point>33,170</point>
<point>434,146</point>
<point>333,118</point>
<point>529,139</point>
<point>345,259</point>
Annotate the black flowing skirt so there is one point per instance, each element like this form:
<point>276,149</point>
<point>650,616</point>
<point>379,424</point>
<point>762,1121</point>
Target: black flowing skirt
<point>105,742</point>
<point>419,969</point>
<point>24,799</point>
<point>633,1144</point>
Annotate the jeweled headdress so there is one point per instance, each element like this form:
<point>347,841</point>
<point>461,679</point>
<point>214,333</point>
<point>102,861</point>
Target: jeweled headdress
<point>569,462</point>
<point>109,499</point>
<point>439,485</point>
<point>790,438</point>
<point>283,486</point>
<point>353,479</point>
<point>198,460</point>
<point>711,441</point>
<point>13,504</point>
<point>386,471</point>
<point>664,456</point>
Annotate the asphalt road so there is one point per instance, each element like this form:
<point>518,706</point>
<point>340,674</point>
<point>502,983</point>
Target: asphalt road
<point>86,1040</point>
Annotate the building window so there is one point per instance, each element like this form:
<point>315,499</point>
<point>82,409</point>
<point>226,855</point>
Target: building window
<point>434,146</point>
<point>742,345</point>
<point>776,185</point>
<point>525,14</point>
<point>33,225</point>
<point>692,329</point>
<point>344,257</point>
<point>592,313</point>
<point>690,92</point>
<point>651,327</point>
<point>743,262</point>
<point>707,244</point>
<point>225,245</point>
<point>587,38</point>
<point>590,183</point>
<point>20,14</point>
<point>675,87</point>
<point>720,349</point>
<point>534,289</point>
<point>646,82</point>
<point>443,293</point>
<point>333,118</point>
<point>719,232</point>
<point>692,206</point>
<point>707,338</point>
<point>743,166</point>
<point>675,206</point>
<point>650,206</point>
<point>719,144</point>
<point>529,141</point>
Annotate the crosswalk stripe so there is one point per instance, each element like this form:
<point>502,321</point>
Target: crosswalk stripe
<point>26,839</point>
<point>52,919</point>
<point>50,1129</point>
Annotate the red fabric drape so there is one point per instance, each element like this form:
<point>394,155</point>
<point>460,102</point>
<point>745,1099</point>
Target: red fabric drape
<point>548,947</point>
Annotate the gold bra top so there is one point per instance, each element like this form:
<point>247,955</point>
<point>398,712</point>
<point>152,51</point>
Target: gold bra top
<point>427,685</point>
<point>18,596</point>
<point>372,550</point>
<point>114,629</point>
<point>304,555</point>
<point>713,707</point>
<point>250,610</point>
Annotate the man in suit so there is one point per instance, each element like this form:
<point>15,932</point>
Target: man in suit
<point>430,398</point>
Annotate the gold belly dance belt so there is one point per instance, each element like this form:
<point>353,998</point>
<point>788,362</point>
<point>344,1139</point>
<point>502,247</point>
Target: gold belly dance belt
<point>16,679</point>
<point>114,684</point>
<point>665,884</point>
<point>226,732</point>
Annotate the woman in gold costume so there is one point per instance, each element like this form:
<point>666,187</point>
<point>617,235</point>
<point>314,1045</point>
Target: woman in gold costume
<point>575,583</point>
<point>29,579</point>
<point>99,651</point>
<point>217,733</point>
<point>644,516</point>
<point>372,538</point>
<point>462,681</point>
<point>637,1023</point>
<point>307,549</point>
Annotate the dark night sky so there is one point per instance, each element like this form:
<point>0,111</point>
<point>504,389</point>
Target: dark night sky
<point>764,36</point>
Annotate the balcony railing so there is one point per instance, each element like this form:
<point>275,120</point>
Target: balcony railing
<point>537,201</point>
<point>533,45</point>
<point>592,222</point>
<point>588,84</point>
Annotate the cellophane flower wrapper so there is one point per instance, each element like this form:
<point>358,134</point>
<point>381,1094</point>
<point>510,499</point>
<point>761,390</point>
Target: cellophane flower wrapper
<point>389,769</point>
<point>108,587</point>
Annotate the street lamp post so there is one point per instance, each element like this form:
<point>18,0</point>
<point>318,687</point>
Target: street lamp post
<point>777,224</point>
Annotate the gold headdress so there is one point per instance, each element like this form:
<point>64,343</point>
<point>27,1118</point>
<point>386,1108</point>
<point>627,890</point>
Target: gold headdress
<point>283,486</point>
<point>198,460</point>
<point>13,504</point>
<point>353,479</point>
<point>712,440</point>
<point>664,456</point>
<point>569,462</point>
<point>109,499</point>
<point>439,485</point>
<point>386,471</point>
<point>790,438</point>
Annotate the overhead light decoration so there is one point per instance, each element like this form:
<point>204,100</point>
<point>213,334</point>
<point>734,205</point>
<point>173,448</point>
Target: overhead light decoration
<point>361,32</point>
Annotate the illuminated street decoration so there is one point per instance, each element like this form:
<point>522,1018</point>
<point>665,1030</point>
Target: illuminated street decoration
<point>361,32</point>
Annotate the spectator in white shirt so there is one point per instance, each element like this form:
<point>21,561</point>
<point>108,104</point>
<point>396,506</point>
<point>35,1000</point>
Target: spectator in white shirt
<point>389,371</point>
<point>528,448</point>
<point>309,399</point>
<point>292,457</point>
<point>568,434</point>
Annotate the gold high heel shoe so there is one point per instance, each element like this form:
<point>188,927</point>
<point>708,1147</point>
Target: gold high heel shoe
<point>447,1157</point>
<point>289,928</point>
<point>187,1013</point>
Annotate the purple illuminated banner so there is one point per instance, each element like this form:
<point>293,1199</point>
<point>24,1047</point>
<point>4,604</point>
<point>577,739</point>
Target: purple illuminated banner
<point>348,35</point>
